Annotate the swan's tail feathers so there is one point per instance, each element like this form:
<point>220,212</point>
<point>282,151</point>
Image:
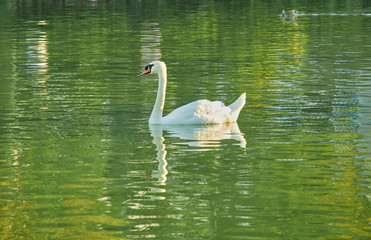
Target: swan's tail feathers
<point>238,105</point>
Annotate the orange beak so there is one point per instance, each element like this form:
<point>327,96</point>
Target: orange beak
<point>148,70</point>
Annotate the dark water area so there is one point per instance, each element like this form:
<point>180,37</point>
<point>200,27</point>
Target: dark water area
<point>78,159</point>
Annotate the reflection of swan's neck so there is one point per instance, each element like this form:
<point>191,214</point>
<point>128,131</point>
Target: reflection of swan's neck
<point>156,115</point>
<point>162,163</point>
<point>158,140</point>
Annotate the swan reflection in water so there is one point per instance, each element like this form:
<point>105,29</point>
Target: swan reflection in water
<point>199,137</point>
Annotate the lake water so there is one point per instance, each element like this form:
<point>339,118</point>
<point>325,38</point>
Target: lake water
<point>78,159</point>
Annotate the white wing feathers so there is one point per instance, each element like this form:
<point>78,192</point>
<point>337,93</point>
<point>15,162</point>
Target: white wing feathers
<point>205,112</point>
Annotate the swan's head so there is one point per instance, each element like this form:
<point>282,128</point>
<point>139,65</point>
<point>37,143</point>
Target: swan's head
<point>154,67</point>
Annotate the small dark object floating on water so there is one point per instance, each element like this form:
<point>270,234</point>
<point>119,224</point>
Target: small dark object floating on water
<point>289,13</point>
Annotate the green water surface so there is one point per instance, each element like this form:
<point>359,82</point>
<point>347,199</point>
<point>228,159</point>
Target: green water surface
<point>78,159</point>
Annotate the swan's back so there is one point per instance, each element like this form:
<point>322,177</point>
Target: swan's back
<point>205,112</point>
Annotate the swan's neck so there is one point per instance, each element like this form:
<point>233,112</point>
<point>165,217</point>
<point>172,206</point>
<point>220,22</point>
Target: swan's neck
<point>157,110</point>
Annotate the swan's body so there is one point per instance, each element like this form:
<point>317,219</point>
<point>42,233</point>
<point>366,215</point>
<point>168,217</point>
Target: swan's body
<point>198,112</point>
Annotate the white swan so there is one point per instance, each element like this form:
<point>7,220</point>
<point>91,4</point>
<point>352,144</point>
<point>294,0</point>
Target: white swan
<point>198,112</point>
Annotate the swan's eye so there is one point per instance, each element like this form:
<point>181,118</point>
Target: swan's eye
<point>149,66</point>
